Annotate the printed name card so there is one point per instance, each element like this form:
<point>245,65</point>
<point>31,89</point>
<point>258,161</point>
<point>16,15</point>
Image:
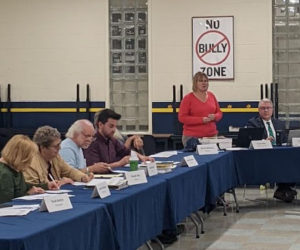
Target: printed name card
<point>101,190</point>
<point>260,144</point>
<point>190,161</point>
<point>54,203</point>
<point>222,142</point>
<point>151,168</point>
<point>207,149</point>
<point>296,141</point>
<point>136,177</point>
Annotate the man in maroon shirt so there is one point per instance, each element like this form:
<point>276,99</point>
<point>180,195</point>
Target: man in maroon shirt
<point>105,148</point>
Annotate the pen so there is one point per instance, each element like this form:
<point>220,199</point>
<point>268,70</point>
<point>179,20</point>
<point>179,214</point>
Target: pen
<point>52,179</point>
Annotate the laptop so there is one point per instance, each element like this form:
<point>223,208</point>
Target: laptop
<point>292,134</point>
<point>246,135</point>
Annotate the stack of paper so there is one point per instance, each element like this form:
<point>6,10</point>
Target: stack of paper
<point>115,182</point>
<point>18,210</point>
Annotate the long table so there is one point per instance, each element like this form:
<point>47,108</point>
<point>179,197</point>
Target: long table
<point>137,212</point>
<point>83,227</point>
<point>280,164</point>
<point>129,217</point>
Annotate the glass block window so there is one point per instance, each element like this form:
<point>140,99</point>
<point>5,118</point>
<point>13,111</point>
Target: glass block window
<point>286,58</point>
<point>129,63</point>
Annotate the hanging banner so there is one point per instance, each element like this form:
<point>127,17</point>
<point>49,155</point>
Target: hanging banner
<point>213,46</point>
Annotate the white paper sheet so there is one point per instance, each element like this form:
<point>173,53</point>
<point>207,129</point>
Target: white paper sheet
<point>59,191</point>
<point>18,210</point>
<point>35,197</point>
<point>164,154</point>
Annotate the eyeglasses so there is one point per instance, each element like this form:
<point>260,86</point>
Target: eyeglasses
<point>57,146</point>
<point>265,108</point>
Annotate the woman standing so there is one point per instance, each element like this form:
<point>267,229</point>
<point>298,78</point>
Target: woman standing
<point>199,110</point>
<point>16,156</point>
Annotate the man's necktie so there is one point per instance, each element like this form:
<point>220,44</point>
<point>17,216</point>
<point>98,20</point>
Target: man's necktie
<point>271,133</point>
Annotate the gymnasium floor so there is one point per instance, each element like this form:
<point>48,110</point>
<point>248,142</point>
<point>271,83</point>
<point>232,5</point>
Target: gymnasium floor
<point>262,223</point>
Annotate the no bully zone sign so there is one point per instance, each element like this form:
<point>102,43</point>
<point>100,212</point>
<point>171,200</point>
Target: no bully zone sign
<point>213,46</point>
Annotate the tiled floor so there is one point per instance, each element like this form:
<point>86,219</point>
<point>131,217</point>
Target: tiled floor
<point>263,223</point>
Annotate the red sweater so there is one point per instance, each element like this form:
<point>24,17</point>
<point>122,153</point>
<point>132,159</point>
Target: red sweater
<point>191,114</point>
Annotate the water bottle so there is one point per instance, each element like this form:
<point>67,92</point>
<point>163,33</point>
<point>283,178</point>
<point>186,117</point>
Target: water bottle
<point>133,161</point>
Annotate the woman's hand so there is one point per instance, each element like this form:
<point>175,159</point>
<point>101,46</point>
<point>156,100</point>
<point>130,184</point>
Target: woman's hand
<point>87,178</point>
<point>35,190</point>
<point>65,180</point>
<point>212,117</point>
<point>206,120</point>
<point>52,185</point>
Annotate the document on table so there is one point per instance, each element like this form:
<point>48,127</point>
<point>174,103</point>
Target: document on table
<point>36,197</point>
<point>113,182</point>
<point>108,176</point>
<point>165,154</point>
<point>78,183</point>
<point>18,210</point>
<point>59,191</point>
<point>236,149</point>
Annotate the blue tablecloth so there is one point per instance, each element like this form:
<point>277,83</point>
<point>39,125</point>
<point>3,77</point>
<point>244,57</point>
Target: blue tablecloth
<point>268,165</point>
<point>83,227</point>
<point>186,190</point>
<point>221,175</point>
<point>131,216</point>
<point>137,212</point>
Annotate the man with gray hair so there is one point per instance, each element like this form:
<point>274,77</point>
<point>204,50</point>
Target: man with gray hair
<point>266,121</point>
<point>271,125</point>
<point>78,137</point>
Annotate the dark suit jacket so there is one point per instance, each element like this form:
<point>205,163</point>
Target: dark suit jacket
<point>257,122</point>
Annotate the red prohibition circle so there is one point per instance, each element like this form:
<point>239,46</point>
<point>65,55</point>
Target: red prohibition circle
<point>201,56</point>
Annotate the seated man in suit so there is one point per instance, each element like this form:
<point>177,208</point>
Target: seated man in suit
<point>271,125</point>
<point>266,121</point>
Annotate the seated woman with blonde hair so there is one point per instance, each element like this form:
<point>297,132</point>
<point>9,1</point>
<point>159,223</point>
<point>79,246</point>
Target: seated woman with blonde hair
<point>16,156</point>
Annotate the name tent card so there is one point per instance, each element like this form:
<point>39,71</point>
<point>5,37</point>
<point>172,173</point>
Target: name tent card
<point>296,142</point>
<point>207,149</point>
<point>136,177</point>
<point>101,190</point>
<point>151,168</point>
<point>56,203</point>
<point>222,142</point>
<point>261,144</point>
<point>190,161</point>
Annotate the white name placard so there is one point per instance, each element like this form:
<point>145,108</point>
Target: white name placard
<point>190,161</point>
<point>207,149</point>
<point>296,142</point>
<point>151,168</point>
<point>260,144</point>
<point>101,190</point>
<point>56,203</point>
<point>222,142</point>
<point>136,177</point>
